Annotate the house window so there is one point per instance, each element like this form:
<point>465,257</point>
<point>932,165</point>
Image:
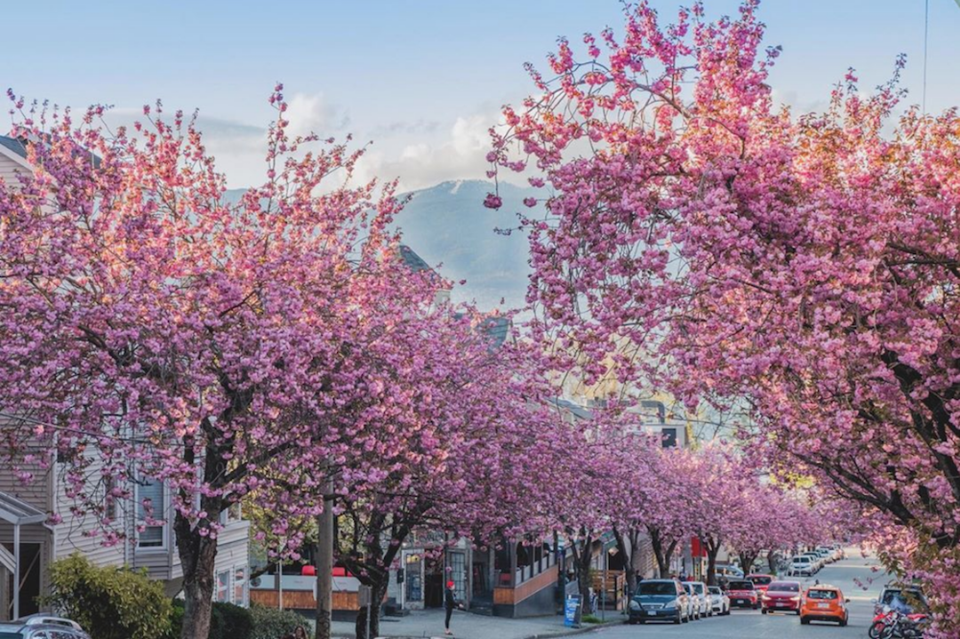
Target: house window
<point>669,437</point>
<point>240,586</point>
<point>230,514</point>
<point>150,504</point>
<point>109,501</point>
<point>223,586</point>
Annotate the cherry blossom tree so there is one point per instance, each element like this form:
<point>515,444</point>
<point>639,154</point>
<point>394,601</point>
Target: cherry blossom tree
<point>804,263</point>
<point>153,331</point>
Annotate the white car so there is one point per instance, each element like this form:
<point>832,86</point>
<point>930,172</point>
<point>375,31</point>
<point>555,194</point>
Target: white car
<point>802,566</point>
<point>719,602</point>
<point>703,597</point>
<point>815,560</point>
<point>696,600</point>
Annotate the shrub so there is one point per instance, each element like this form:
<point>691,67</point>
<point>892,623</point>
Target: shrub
<point>270,623</point>
<point>230,622</point>
<point>110,603</point>
<point>590,619</point>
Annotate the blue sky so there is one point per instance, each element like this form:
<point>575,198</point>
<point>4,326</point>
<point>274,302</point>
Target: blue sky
<point>423,78</point>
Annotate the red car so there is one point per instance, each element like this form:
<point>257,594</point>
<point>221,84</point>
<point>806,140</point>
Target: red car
<point>781,596</point>
<point>743,594</point>
<point>760,582</point>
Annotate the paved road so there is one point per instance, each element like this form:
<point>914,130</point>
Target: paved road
<point>750,624</point>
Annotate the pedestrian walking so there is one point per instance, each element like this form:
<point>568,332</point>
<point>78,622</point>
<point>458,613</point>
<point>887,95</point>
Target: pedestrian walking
<point>449,603</point>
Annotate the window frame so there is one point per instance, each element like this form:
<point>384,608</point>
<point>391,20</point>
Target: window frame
<point>164,527</point>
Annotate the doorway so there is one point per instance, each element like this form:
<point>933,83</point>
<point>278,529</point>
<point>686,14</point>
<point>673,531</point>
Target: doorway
<point>433,583</point>
<point>29,580</point>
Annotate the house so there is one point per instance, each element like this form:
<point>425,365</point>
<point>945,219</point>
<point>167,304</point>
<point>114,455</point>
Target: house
<point>29,542</point>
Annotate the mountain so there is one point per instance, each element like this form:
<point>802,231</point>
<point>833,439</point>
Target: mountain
<point>448,226</point>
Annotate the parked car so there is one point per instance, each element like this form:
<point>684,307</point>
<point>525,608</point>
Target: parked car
<point>42,626</point>
<point>815,560</point>
<point>760,582</point>
<point>743,594</point>
<point>719,601</point>
<point>660,600</point>
<point>907,600</point>
<point>729,571</point>
<point>824,603</point>
<point>825,553</point>
<point>801,566</point>
<point>781,596</point>
<point>699,598</point>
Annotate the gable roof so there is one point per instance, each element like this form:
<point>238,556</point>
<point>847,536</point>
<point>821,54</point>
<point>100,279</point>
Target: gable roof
<point>14,149</point>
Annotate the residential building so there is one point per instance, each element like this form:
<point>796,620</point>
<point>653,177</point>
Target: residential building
<point>29,542</point>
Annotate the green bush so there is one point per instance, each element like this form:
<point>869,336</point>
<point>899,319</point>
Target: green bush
<point>590,619</point>
<point>110,603</point>
<point>270,623</point>
<point>230,622</point>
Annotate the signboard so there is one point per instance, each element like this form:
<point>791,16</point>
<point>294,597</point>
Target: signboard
<point>363,596</point>
<point>571,611</point>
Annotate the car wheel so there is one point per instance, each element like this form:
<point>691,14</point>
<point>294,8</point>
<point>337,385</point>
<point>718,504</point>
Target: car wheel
<point>642,621</point>
<point>843,623</point>
<point>804,621</point>
<point>678,620</point>
<point>763,611</point>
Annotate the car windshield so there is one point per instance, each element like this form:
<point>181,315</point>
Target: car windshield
<point>782,586</point>
<point>896,596</point>
<point>760,580</point>
<point>698,588</point>
<point>715,590</point>
<point>822,594</point>
<point>801,560</point>
<point>741,585</point>
<point>657,588</point>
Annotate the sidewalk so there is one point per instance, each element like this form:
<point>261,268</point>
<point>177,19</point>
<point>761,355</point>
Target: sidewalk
<point>429,623</point>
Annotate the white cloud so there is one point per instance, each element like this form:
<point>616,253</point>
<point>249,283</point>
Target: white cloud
<point>313,114</point>
<point>458,154</point>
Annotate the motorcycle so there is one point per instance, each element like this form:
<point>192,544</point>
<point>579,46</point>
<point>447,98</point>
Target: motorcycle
<point>896,625</point>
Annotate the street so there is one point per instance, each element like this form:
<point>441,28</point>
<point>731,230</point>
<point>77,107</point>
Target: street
<point>749,624</point>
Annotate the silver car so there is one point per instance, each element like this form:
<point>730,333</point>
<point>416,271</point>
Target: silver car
<point>42,626</point>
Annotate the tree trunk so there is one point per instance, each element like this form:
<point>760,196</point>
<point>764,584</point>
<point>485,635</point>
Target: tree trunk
<point>581,560</point>
<point>661,552</point>
<point>198,552</point>
<point>197,555</point>
<point>324,564</point>
<point>713,549</point>
<point>630,571</point>
<point>378,581</point>
<point>747,559</point>
<point>772,561</point>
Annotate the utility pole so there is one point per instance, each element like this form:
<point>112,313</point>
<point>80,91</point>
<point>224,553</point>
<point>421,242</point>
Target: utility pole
<point>324,563</point>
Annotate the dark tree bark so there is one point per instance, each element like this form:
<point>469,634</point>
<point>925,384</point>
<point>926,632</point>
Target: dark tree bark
<point>582,557</point>
<point>198,554</point>
<point>747,558</point>
<point>713,549</point>
<point>662,550</point>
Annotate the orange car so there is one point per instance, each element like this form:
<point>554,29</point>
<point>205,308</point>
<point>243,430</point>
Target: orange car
<point>824,603</point>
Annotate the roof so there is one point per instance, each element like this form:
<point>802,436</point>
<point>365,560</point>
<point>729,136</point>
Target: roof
<point>14,511</point>
<point>16,148</point>
<point>14,145</point>
<point>496,328</point>
<point>416,263</point>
